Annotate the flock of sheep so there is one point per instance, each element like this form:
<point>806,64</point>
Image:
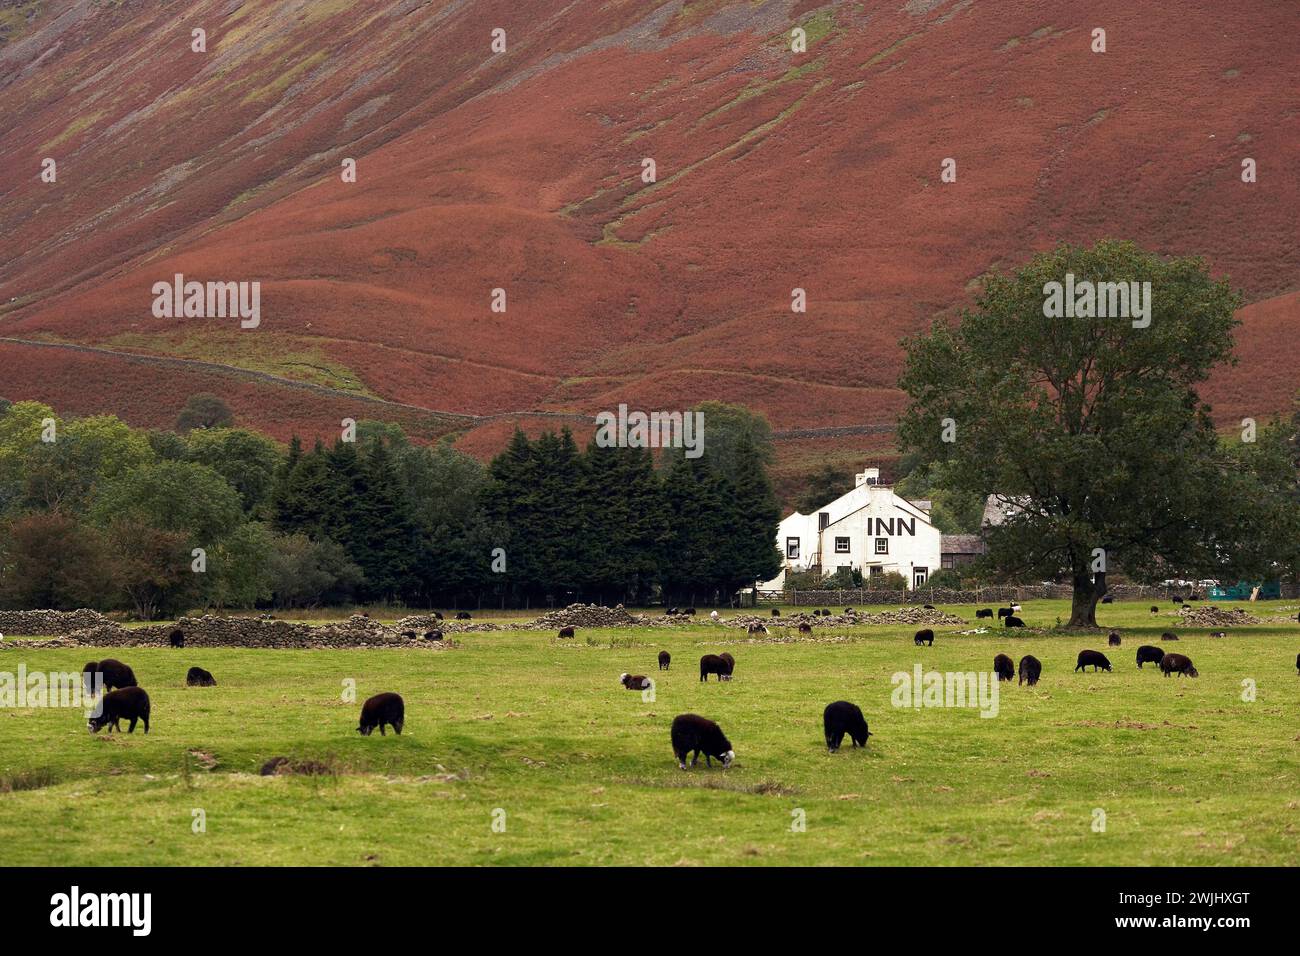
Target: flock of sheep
<point>691,734</point>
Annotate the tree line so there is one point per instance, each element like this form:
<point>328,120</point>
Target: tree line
<point>99,514</point>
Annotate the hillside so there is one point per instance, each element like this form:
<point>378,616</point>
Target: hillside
<point>521,170</point>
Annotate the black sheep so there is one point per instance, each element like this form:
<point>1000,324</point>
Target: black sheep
<point>1179,664</point>
<point>408,635</point>
<point>437,615</point>
<point>826,612</point>
<point>1030,669</point>
<point>129,703</point>
<point>380,710</point>
<point>731,665</point>
<point>1154,609</point>
<point>928,607</point>
<point>1107,600</point>
<point>463,616</point>
<point>924,636</point>
<point>848,610</point>
<point>566,631</point>
<point>198,677</point>
<point>1149,655</point>
<point>776,612</point>
<point>634,681</point>
<point>805,627</point>
<point>842,718</point>
<point>434,635</point>
<point>670,612</point>
<point>113,673</point>
<point>1003,667</point>
<point>1004,612</point>
<point>1178,599</point>
<point>689,612</point>
<point>1096,658</point>
<point>713,664</point>
<point>1013,621</point>
<point>1168,636</point>
<point>177,638</point>
<point>1114,639</point>
<point>664,660</point>
<point>984,612</point>
<point>757,629</point>
<point>693,733</point>
<point>1297,663</point>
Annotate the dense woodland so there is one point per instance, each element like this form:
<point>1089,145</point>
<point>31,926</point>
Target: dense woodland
<point>108,516</point>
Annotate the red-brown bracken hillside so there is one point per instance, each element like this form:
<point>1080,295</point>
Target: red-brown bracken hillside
<point>521,170</point>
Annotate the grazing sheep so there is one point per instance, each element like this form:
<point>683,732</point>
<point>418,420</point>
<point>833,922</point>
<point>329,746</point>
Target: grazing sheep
<point>664,660</point>
<point>566,631</point>
<point>731,665</point>
<point>177,638</point>
<point>198,677</point>
<point>713,664</point>
<point>1004,612</point>
<point>1096,658</point>
<point>848,610</point>
<point>380,710</point>
<point>689,612</point>
<point>984,612</point>
<point>634,681</point>
<point>1297,663</point>
<point>462,616</point>
<point>826,612</point>
<point>1154,609</point>
<point>757,629</point>
<point>114,674</point>
<point>1114,639</point>
<point>842,718</point>
<point>408,635</point>
<point>1149,655</point>
<point>928,607</point>
<point>670,612</point>
<point>1193,597</point>
<point>1013,621</point>
<point>1219,634</point>
<point>1003,667</point>
<point>434,635</point>
<point>805,627</point>
<point>1030,669</point>
<point>1108,600</point>
<point>924,636</point>
<point>1178,599</point>
<point>1168,636</point>
<point>691,732</point>
<point>1178,663</point>
<point>1187,607</point>
<point>713,615</point>
<point>129,703</point>
<point>776,612</point>
<point>437,615</point>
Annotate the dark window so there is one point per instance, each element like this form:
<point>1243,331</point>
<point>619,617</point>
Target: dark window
<point>792,548</point>
<point>823,519</point>
<point>882,546</point>
<point>947,561</point>
<point>841,545</point>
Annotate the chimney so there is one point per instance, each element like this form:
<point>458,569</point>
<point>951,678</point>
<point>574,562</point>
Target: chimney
<point>869,476</point>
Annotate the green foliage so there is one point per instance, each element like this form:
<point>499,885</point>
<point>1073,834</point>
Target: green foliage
<point>50,560</point>
<point>823,486</point>
<point>247,461</point>
<point>204,411</point>
<point>178,496</point>
<point>1094,424</point>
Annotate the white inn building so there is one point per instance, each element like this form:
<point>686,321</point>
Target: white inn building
<point>869,528</point>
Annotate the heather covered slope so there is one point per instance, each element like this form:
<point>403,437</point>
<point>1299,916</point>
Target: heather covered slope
<point>521,170</point>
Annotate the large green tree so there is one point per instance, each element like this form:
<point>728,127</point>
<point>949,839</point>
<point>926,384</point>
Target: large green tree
<point>1091,425</point>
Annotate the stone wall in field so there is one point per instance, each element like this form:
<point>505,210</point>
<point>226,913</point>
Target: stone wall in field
<point>212,631</point>
<point>51,623</point>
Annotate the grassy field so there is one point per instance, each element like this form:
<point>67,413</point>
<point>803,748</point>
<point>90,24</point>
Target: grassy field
<point>1186,771</point>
